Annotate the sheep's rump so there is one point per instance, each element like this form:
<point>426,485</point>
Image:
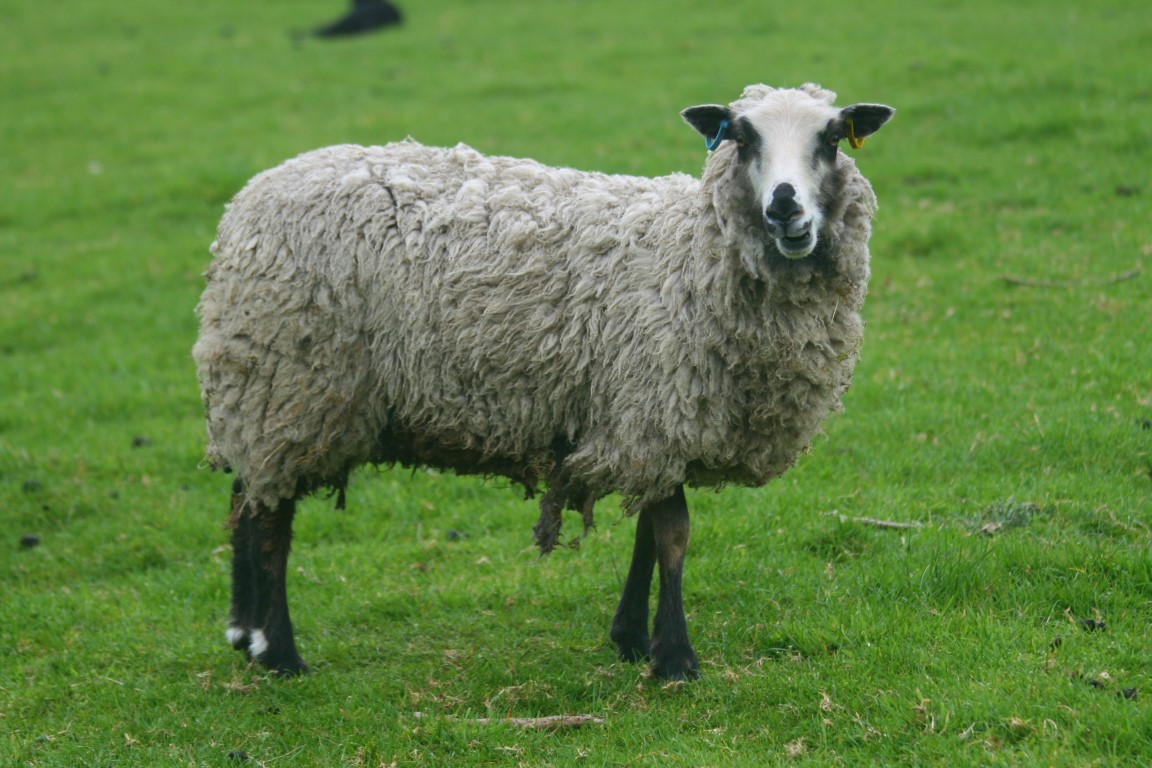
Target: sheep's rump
<point>495,316</point>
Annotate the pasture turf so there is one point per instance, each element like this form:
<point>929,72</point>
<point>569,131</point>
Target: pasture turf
<point>1001,414</point>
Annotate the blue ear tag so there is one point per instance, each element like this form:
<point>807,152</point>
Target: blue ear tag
<point>713,143</point>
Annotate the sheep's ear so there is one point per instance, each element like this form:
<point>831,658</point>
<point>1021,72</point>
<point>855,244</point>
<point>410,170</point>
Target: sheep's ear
<point>859,121</point>
<point>711,121</point>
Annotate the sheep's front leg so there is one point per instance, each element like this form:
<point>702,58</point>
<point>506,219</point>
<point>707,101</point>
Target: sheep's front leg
<point>661,539</point>
<point>259,623</point>
<point>672,654</point>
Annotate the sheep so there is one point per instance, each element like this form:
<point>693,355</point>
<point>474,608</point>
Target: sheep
<point>581,332</point>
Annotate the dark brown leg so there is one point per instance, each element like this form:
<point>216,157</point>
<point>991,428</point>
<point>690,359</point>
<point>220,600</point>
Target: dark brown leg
<point>630,624</point>
<point>661,539</point>
<point>259,623</point>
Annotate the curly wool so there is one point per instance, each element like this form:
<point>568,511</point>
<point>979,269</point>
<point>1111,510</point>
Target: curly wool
<point>492,315</point>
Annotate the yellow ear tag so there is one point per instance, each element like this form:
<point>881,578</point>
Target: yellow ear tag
<point>853,142</point>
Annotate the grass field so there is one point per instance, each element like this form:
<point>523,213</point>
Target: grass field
<point>1003,404</point>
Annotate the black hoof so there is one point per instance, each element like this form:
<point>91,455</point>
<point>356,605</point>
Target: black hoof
<point>290,668</point>
<point>282,660</point>
<point>283,664</point>
<point>633,648</point>
<point>279,656</point>
<point>675,664</point>
<point>683,674</point>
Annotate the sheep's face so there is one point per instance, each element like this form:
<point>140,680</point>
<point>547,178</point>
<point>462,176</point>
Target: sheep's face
<point>786,143</point>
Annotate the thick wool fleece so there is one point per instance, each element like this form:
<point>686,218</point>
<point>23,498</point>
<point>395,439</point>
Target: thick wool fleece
<point>496,316</point>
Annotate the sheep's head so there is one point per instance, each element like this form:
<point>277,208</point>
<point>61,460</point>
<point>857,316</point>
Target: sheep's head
<point>786,142</point>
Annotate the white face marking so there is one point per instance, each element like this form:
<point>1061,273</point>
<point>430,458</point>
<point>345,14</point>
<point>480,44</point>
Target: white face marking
<point>790,125</point>
<point>257,644</point>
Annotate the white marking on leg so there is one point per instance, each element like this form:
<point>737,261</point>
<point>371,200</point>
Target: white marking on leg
<point>235,635</point>
<point>257,644</point>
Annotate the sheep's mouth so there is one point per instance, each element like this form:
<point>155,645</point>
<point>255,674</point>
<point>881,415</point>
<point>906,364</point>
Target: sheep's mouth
<point>797,245</point>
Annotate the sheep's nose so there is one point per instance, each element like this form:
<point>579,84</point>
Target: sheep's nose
<point>783,209</point>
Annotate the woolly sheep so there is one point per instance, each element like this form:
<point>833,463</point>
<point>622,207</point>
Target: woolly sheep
<point>584,332</point>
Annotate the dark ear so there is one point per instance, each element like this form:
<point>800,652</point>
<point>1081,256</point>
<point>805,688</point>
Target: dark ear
<point>862,120</point>
<point>711,121</point>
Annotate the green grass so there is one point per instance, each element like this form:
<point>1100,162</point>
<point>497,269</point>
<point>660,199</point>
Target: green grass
<point>1002,402</point>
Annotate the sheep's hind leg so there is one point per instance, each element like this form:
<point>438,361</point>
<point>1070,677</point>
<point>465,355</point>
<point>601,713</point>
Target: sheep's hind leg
<point>630,624</point>
<point>259,623</point>
<point>661,539</point>
<point>245,568</point>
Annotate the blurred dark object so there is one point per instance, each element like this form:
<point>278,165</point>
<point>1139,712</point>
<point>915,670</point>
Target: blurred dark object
<point>365,16</point>
<point>29,541</point>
